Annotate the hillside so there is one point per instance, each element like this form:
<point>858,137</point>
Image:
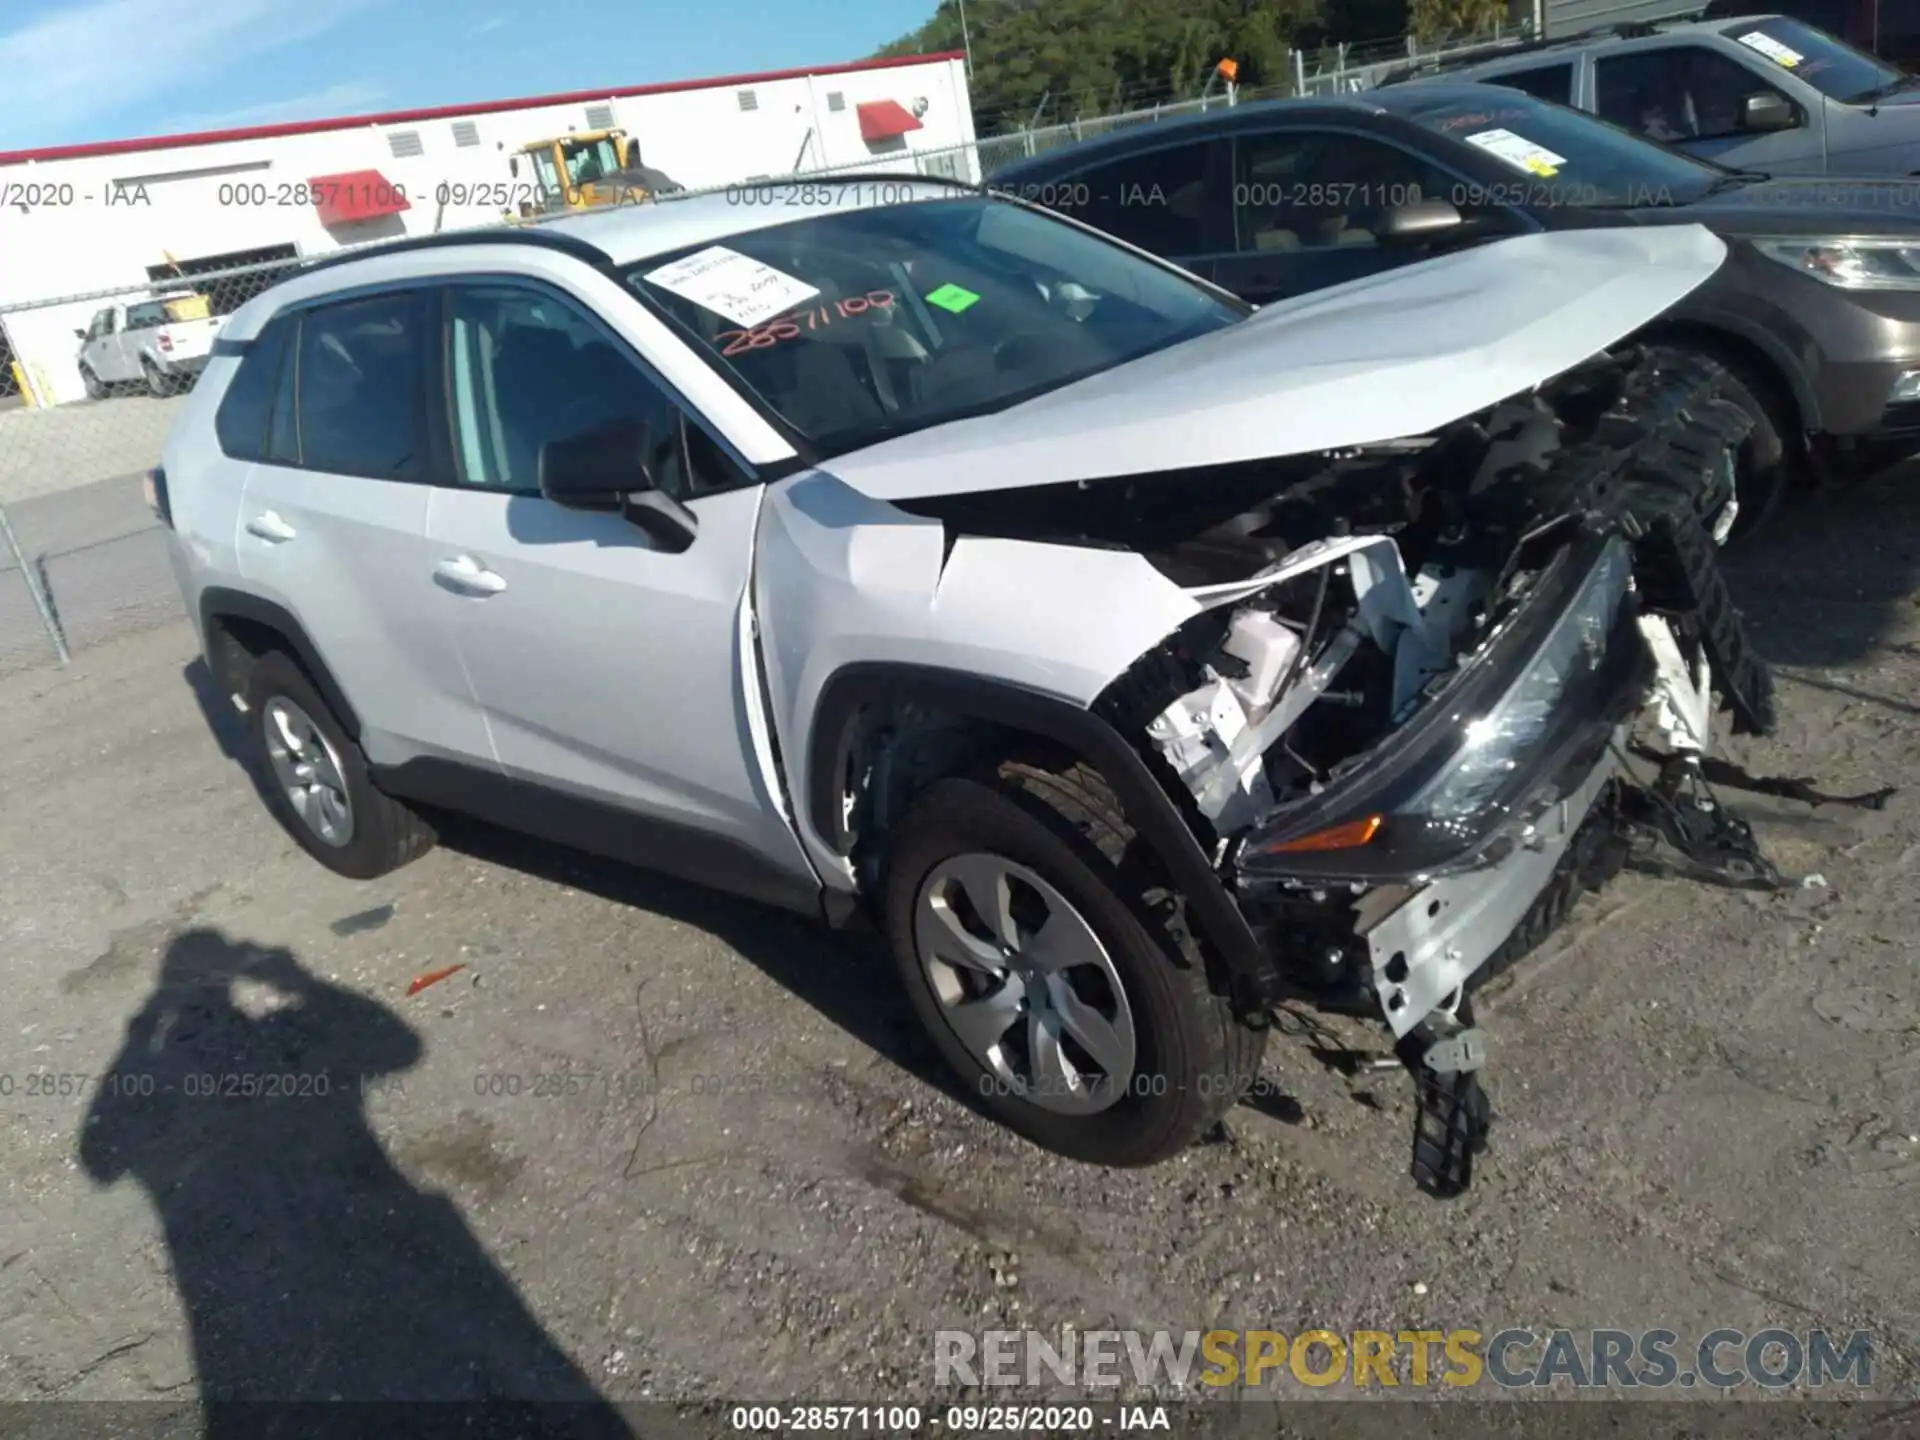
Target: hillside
<point>1046,61</point>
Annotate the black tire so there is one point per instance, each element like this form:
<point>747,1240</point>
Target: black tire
<point>1770,457</point>
<point>1067,828</point>
<point>95,389</point>
<point>386,834</point>
<point>158,385</point>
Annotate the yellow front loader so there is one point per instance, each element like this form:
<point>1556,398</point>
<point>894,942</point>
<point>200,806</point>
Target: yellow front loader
<point>586,170</point>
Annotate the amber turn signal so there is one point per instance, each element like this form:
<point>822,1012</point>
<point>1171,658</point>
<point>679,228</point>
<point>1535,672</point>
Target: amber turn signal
<point>1349,836</point>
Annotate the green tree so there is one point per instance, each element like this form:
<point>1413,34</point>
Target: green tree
<point>1063,58</point>
<point>1432,20</point>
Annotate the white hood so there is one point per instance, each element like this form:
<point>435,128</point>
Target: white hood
<point>1397,354</point>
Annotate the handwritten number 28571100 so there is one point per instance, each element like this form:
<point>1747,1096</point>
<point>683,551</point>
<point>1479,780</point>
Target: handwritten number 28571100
<point>790,327</point>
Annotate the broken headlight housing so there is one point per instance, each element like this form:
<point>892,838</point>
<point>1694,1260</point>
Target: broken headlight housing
<point>1536,707</point>
<point>1499,743</point>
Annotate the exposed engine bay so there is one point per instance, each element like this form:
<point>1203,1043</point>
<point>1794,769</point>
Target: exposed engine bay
<point>1389,566</point>
<point>1501,601</point>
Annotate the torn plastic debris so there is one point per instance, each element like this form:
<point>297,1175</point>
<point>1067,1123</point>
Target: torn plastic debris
<point>434,977</point>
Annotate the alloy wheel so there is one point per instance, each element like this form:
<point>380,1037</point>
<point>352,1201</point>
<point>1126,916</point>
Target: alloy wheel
<point>308,771</point>
<point>1025,984</point>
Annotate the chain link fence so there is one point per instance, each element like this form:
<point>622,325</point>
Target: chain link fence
<point>90,383</point>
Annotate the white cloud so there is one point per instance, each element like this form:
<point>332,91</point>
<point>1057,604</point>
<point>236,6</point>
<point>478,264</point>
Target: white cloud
<point>487,26</point>
<point>96,59</point>
<point>346,99</point>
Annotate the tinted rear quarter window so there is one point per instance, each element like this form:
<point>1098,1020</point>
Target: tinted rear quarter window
<point>360,386</point>
<point>1545,82</point>
<point>240,424</point>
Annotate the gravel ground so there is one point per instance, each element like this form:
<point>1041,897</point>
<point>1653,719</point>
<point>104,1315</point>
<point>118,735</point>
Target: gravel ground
<point>756,1183</point>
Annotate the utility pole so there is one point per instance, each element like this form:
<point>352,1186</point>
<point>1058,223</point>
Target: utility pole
<point>965,43</point>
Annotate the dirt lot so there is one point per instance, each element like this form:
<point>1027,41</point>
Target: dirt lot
<point>755,1184</point>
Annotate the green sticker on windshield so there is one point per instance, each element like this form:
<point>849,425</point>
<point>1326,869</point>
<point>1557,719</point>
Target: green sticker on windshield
<point>952,297</point>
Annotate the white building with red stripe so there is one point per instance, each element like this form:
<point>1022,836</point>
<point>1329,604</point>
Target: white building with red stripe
<point>79,219</point>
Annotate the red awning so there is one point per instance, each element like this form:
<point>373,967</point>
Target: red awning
<point>356,195</point>
<point>884,120</point>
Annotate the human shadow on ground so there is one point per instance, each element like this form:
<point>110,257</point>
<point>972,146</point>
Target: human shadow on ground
<point>309,1267</point>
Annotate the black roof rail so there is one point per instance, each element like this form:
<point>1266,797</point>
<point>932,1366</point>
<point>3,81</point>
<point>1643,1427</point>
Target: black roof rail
<point>487,235</point>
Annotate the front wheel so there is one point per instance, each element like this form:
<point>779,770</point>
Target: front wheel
<point>1051,968</point>
<point>95,390</point>
<point>1767,460</point>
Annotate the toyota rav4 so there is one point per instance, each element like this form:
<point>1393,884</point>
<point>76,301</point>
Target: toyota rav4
<point>1138,663</point>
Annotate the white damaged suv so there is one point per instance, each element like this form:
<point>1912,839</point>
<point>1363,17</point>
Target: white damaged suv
<point>890,549</point>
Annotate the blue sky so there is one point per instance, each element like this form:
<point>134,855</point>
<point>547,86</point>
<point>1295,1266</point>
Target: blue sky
<point>78,70</point>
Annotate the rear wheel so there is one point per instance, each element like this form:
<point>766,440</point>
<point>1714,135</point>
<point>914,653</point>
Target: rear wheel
<point>158,385</point>
<point>316,780</point>
<point>1052,969</point>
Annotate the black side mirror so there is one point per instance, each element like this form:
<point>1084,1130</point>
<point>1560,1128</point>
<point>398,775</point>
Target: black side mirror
<point>80,335</point>
<point>606,471</point>
<point>1419,222</point>
<point>1768,111</point>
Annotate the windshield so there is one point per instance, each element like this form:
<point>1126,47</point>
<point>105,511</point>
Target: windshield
<point>587,162</point>
<point>1831,66</point>
<point>1566,157</point>
<point>860,325</point>
<point>547,176</point>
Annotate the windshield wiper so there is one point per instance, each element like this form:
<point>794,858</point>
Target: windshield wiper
<point>1881,92</point>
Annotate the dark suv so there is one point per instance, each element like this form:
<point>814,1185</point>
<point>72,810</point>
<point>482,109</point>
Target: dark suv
<point>1815,315</point>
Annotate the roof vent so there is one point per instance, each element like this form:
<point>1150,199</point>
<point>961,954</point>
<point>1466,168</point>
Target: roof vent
<point>836,101</point>
<point>465,133</point>
<point>748,100</point>
<point>405,144</point>
<point>600,117</point>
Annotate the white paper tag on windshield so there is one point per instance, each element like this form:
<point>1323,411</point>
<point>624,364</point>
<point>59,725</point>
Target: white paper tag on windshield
<point>734,285</point>
<point>1519,152</point>
<point>1772,49</point>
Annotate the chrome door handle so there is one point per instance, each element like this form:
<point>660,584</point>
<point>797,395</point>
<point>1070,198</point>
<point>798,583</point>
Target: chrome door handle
<point>271,528</point>
<point>463,572</point>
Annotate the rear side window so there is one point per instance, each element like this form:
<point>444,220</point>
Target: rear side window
<point>240,423</point>
<point>1157,201</point>
<point>360,381</point>
<point>1547,82</point>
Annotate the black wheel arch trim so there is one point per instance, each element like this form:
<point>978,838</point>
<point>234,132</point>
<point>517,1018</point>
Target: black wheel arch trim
<point>1147,806</point>
<point>218,603</point>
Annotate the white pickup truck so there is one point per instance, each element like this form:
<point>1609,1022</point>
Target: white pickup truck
<point>161,343</point>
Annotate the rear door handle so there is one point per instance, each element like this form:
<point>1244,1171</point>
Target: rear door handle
<point>271,528</point>
<point>464,573</point>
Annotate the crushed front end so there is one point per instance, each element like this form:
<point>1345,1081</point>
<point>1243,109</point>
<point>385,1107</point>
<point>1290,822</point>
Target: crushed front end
<point>1408,751</point>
